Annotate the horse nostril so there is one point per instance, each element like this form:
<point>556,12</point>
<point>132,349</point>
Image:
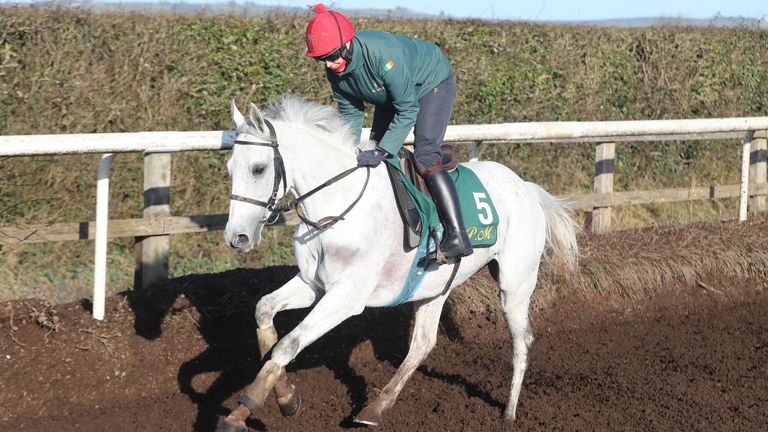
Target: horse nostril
<point>240,241</point>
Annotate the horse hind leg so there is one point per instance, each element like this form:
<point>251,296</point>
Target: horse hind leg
<point>423,340</point>
<point>515,300</point>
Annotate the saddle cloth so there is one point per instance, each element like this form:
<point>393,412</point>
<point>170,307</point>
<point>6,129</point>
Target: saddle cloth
<point>419,213</point>
<point>417,209</point>
<point>405,201</point>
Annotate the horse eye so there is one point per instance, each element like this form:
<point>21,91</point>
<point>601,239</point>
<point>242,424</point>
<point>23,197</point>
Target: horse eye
<point>258,170</point>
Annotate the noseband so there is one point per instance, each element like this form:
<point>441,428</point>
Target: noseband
<point>280,177</point>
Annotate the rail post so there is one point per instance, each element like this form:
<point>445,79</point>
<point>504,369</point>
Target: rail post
<point>474,151</point>
<point>746,146</point>
<point>757,170</point>
<point>605,153</point>
<point>152,251</point>
<point>100,240</point>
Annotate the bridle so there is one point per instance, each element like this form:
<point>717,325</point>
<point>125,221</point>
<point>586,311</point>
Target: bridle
<point>280,177</point>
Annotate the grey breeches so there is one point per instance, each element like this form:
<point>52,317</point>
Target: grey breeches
<point>434,113</point>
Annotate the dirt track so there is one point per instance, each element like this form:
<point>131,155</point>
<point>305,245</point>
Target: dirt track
<point>688,358</point>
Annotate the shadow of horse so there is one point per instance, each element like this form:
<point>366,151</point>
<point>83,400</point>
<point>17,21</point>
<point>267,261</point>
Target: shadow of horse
<point>226,304</point>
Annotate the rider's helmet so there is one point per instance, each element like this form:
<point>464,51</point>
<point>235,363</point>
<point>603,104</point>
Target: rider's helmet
<point>327,31</point>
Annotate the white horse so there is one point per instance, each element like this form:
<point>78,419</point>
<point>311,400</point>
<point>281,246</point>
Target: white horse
<point>360,261</point>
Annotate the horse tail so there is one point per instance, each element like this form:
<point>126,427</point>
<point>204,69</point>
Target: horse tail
<point>562,247</point>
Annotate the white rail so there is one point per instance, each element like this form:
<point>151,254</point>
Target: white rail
<point>160,142</point>
<point>30,145</point>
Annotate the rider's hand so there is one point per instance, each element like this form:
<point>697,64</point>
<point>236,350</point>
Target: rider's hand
<point>371,158</point>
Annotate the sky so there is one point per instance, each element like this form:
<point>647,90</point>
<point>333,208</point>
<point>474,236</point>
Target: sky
<point>558,10</point>
<point>540,10</point>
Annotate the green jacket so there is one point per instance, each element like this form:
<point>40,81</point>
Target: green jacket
<point>388,70</point>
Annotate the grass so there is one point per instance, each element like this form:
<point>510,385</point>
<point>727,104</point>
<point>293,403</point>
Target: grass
<point>71,71</point>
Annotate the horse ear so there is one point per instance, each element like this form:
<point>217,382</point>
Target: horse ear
<point>237,117</point>
<point>257,119</point>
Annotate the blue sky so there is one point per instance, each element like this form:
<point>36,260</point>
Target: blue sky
<point>543,10</point>
<point>557,10</point>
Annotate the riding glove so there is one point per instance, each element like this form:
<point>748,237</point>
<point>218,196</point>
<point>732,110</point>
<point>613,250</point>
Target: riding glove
<point>371,158</point>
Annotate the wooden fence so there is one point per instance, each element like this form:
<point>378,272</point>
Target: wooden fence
<point>151,232</point>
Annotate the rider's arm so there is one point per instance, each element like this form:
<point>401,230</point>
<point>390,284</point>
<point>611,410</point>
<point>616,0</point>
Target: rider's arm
<point>400,88</point>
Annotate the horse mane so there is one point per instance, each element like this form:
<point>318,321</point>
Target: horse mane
<point>314,116</point>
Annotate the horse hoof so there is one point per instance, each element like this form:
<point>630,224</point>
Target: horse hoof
<point>509,416</point>
<point>366,422</point>
<point>231,426</point>
<point>368,417</point>
<point>291,408</point>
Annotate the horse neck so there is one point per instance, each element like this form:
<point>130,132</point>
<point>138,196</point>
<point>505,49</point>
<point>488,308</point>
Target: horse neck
<point>311,162</point>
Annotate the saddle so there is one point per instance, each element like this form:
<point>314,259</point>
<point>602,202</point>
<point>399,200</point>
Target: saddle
<point>405,205</point>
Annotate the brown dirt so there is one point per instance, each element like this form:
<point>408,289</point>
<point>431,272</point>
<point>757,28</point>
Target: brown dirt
<point>683,357</point>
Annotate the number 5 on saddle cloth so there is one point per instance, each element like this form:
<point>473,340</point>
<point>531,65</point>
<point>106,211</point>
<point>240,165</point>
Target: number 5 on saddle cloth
<point>418,211</point>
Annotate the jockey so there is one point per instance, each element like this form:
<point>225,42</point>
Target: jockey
<point>411,84</point>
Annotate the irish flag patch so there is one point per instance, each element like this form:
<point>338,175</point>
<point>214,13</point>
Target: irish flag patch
<point>390,64</point>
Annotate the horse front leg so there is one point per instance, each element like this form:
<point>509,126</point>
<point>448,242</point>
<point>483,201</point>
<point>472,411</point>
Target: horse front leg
<point>423,340</point>
<point>295,294</point>
<point>338,304</point>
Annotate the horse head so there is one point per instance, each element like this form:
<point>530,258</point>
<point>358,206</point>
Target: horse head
<point>258,179</point>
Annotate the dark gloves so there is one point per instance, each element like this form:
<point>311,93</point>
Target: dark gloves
<point>371,158</point>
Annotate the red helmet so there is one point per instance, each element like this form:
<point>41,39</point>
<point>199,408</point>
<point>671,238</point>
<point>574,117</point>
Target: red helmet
<point>327,31</point>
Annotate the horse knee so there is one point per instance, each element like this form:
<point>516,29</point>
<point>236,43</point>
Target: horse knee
<point>265,313</point>
<point>425,340</point>
<point>286,350</point>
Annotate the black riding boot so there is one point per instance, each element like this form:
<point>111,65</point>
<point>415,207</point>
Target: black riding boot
<point>455,241</point>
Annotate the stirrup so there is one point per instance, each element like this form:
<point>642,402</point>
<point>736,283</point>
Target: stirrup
<point>437,256</point>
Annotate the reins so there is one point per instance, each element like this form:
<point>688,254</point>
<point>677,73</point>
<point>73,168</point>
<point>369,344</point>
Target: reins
<point>327,221</point>
<point>280,177</point>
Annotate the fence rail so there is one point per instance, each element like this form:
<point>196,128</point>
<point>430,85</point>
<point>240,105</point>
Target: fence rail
<point>152,231</point>
<point>595,131</point>
<point>167,225</point>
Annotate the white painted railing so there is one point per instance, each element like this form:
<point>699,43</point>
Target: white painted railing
<point>652,130</point>
<point>605,133</point>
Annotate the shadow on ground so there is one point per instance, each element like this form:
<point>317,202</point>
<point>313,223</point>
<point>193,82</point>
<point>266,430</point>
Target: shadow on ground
<point>225,304</point>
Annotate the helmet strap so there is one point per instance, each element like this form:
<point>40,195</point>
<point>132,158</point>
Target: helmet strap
<point>345,52</point>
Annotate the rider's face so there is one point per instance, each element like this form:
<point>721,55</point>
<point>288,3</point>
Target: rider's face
<point>337,65</point>
<point>334,60</point>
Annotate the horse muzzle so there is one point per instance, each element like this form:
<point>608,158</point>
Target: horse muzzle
<point>241,241</point>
